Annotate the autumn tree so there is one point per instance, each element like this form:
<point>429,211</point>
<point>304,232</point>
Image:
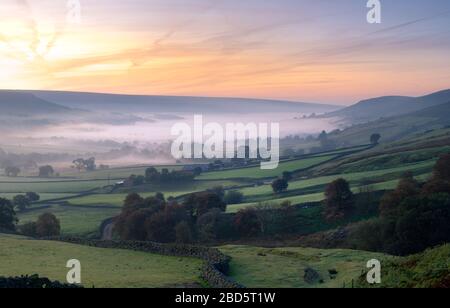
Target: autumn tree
<point>339,200</point>
<point>48,225</point>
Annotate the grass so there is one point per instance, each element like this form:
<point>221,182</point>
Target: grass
<point>265,192</point>
<point>284,267</point>
<point>81,221</point>
<point>430,269</point>
<point>55,187</point>
<point>115,173</point>
<point>258,173</point>
<point>100,267</point>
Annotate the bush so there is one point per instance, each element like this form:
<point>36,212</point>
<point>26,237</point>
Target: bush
<point>29,229</point>
<point>47,225</point>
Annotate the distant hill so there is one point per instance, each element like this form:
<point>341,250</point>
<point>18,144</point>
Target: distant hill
<point>397,127</point>
<point>14,103</point>
<point>176,104</point>
<point>388,106</point>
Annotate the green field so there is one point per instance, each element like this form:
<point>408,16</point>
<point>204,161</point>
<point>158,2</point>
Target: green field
<point>311,190</point>
<point>44,196</point>
<point>61,186</point>
<point>258,173</point>
<point>75,220</point>
<point>115,173</point>
<point>100,267</point>
<point>284,267</point>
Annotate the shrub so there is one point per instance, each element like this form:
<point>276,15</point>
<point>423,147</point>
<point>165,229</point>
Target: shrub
<point>28,229</point>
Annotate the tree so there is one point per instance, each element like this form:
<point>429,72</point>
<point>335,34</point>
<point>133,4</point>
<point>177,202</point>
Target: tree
<point>78,164</point>
<point>21,202</point>
<point>46,171</point>
<point>233,197</point>
<point>247,222</point>
<point>207,226</point>
<point>32,196</point>
<point>183,233</point>
<point>441,170</point>
<point>375,138</point>
<point>84,164</point>
<point>48,225</point>
<point>280,185</point>
<point>8,217</point>
<point>339,200</point>
<point>407,187</point>
<point>12,171</point>
<point>201,203</point>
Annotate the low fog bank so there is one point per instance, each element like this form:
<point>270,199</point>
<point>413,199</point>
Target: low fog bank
<point>118,139</point>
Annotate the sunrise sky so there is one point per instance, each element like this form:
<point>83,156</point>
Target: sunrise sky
<point>316,50</point>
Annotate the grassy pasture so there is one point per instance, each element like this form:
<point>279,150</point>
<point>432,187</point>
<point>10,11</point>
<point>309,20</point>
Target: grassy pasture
<point>312,197</point>
<point>116,173</point>
<point>100,267</point>
<point>265,191</point>
<point>75,220</point>
<point>258,173</point>
<point>284,267</point>
<point>55,187</point>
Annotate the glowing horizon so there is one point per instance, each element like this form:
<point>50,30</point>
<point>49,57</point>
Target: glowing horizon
<point>312,51</point>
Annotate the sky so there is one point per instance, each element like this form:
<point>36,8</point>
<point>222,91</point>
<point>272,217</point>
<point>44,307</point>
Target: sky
<point>321,51</point>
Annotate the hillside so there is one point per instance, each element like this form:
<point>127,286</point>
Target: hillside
<point>398,127</point>
<point>101,267</point>
<point>14,103</point>
<point>176,104</point>
<point>388,106</point>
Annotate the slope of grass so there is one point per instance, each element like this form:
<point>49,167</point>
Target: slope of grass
<point>75,220</point>
<point>99,267</point>
<point>285,267</point>
<point>318,183</point>
<point>430,269</point>
<point>115,173</point>
<point>44,196</point>
<point>55,187</point>
<point>258,173</point>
